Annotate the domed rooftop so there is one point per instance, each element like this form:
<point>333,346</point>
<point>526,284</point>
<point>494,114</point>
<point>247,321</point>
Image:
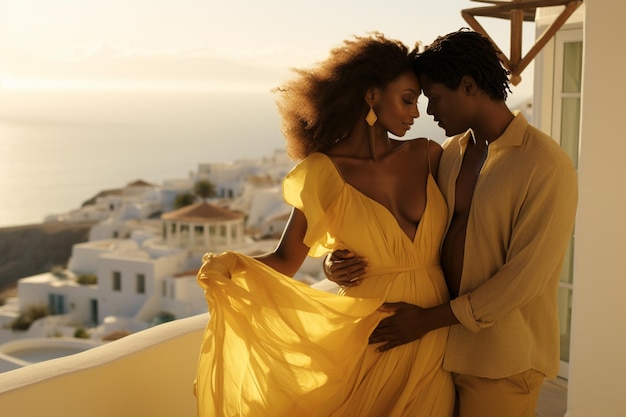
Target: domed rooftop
<point>201,212</point>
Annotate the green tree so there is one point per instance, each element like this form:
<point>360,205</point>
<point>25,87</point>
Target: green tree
<point>87,279</point>
<point>183,200</point>
<point>81,333</point>
<point>28,316</point>
<point>204,189</point>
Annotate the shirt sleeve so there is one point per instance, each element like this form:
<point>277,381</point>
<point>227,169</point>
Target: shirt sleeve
<point>535,254</point>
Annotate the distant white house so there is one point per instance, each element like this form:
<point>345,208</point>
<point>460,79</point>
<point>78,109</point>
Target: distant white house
<point>129,277</point>
<point>138,199</point>
<point>230,179</point>
<point>173,187</point>
<point>268,213</point>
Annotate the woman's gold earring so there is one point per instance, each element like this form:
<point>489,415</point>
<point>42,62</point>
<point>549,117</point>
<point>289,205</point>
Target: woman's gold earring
<point>371,117</point>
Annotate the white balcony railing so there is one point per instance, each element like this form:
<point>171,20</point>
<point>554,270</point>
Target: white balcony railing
<point>149,373</point>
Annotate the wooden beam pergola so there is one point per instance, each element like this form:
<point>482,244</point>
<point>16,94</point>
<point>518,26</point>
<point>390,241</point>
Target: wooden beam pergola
<point>519,11</point>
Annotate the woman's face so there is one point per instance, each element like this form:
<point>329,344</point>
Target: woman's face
<point>396,107</point>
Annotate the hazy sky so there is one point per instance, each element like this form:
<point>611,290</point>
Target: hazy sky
<point>204,44</point>
<point>98,82</point>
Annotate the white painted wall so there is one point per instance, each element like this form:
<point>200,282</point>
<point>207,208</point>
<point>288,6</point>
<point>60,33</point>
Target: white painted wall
<point>189,292</point>
<point>85,256</point>
<point>149,373</point>
<point>598,358</point>
<point>128,302</point>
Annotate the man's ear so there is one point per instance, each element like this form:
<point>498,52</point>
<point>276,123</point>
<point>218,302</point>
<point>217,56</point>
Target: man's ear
<point>468,85</point>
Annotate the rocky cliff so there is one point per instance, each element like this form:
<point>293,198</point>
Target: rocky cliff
<point>33,249</point>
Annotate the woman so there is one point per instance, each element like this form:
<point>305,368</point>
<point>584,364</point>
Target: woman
<point>274,346</point>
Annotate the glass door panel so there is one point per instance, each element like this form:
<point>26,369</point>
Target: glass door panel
<point>566,129</point>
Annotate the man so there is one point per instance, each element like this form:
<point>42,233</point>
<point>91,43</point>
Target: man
<point>512,194</point>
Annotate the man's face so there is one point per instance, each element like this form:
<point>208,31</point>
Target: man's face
<point>449,108</point>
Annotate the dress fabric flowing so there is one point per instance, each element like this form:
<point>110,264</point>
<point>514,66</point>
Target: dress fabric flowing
<point>277,347</point>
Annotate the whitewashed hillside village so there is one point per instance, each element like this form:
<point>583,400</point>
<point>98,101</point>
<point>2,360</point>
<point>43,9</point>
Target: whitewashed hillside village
<point>139,266</point>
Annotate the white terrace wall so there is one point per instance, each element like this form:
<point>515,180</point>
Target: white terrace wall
<point>598,361</point>
<point>149,373</point>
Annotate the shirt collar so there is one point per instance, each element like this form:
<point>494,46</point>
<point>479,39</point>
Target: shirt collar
<point>513,135</point>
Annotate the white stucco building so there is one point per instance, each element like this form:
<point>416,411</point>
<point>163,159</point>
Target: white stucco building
<point>230,179</point>
<point>129,279</point>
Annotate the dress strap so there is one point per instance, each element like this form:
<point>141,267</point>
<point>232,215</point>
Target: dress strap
<point>428,154</point>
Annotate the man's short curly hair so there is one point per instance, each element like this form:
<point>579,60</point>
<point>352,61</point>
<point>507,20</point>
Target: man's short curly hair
<point>455,55</point>
<point>321,105</point>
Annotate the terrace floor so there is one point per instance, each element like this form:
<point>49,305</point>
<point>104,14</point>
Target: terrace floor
<point>553,399</point>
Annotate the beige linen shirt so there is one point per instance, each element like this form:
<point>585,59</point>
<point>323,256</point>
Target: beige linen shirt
<point>520,223</point>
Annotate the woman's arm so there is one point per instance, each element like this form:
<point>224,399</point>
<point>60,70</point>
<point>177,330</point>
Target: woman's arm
<point>291,250</point>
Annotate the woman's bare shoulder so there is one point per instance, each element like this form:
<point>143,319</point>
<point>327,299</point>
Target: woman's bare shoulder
<point>421,144</point>
<point>425,149</point>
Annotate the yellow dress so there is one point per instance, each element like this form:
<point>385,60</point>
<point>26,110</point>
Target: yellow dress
<point>276,347</point>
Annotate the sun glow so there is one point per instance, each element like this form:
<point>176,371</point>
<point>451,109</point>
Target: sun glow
<point>77,85</point>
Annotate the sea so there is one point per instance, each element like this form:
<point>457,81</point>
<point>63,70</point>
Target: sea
<point>59,149</point>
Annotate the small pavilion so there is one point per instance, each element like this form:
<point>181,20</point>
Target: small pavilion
<point>203,227</point>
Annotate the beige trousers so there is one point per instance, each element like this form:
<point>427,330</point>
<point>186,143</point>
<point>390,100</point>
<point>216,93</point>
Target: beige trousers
<point>514,396</point>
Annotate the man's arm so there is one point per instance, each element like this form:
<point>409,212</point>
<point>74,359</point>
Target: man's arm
<point>410,322</point>
<point>534,255</point>
<point>344,268</point>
